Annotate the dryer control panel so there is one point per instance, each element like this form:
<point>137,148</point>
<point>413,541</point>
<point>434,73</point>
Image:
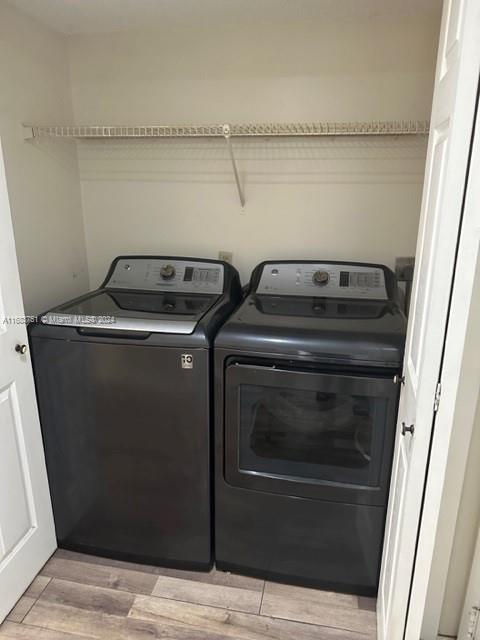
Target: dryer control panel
<point>165,274</point>
<point>323,279</point>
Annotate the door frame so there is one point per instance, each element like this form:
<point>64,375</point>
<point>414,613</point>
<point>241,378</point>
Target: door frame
<point>454,420</point>
<point>470,620</point>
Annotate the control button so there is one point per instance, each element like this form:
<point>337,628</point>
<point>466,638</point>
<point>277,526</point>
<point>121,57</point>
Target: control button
<point>320,278</point>
<point>167,271</point>
<point>169,305</point>
<point>274,272</point>
<point>319,307</point>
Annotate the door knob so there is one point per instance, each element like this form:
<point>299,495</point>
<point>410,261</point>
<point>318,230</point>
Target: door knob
<point>407,429</point>
<point>21,348</point>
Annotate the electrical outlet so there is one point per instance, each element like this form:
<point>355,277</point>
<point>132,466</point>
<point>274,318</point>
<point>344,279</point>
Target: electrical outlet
<point>404,269</point>
<point>225,256</point>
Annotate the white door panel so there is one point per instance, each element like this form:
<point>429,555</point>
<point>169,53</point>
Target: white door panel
<point>17,511</point>
<point>27,536</point>
<point>440,221</point>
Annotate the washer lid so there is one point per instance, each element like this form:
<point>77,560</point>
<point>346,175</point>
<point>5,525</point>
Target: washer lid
<point>319,308</point>
<point>161,312</point>
<point>369,333</point>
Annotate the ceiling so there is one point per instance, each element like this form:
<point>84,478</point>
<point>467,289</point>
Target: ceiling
<point>103,16</point>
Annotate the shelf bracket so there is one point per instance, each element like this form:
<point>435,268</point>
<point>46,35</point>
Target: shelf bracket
<point>226,129</point>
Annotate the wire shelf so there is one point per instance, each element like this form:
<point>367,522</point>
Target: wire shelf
<point>229,131</point>
<point>380,128</point>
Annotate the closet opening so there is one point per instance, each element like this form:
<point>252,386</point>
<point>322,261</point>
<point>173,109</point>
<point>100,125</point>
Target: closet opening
<point>225,222</point>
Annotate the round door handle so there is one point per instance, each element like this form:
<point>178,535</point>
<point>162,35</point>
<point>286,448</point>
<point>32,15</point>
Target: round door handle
<point>407,429</point>
<point>21,348</point>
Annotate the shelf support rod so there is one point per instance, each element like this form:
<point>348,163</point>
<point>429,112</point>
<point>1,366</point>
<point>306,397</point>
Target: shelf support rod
<point>227,135</point>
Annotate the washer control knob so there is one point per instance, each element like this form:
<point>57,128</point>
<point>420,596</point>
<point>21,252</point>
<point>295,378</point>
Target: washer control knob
<point>320,278</point>
<point>167,271</point>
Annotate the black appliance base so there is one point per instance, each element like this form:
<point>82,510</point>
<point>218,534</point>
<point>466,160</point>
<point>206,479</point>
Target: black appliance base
<point>136,558</point>
<point>329,545</point>
<point>297,580</point>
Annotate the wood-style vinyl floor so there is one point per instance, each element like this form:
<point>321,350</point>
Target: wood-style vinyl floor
<point>76,596</point>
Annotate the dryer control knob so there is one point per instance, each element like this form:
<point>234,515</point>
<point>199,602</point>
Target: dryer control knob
<point>320,278</point>
<point>167,271</point>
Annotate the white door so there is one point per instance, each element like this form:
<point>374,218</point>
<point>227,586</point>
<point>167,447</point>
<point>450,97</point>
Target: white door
<point>445,177</point>
<point>27,536</point>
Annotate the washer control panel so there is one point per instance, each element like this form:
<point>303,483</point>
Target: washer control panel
<point>323,280</point>
<point>158,274</point>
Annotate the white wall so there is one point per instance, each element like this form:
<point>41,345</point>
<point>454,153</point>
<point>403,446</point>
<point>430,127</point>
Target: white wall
<point>348,198</point>
<point>42,179</point>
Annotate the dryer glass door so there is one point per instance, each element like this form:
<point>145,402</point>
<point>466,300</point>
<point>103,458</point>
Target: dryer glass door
<point>309,433</point>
